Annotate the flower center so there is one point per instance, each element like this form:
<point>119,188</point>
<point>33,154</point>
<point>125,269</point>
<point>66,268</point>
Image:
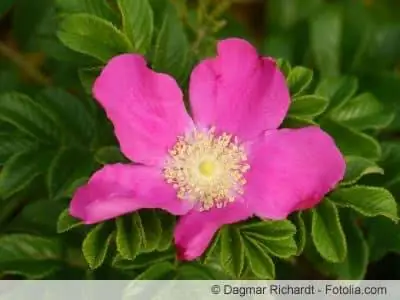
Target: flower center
<point>206,168</point>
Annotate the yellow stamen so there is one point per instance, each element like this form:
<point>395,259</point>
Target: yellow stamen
<point>206,168</point>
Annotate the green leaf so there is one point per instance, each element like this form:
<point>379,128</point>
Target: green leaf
<point>157,272</point>
<point>93,36</point>
<point>351,142</point>
<point>299,79</point>
<point>13,142</point>
<point>109,155</point>
<point>171,51</point>
<point>232,251</point>
<point>338,90</point>
<point>258,259</point>
<point>29,255</point>
<point>87,76</point>
<point>355,265</point>
<point>363,112</point>
<point>300,236</point>
<point>283,248</point>
<point>69,165</point>
<point>37,217</point>
<point>27,20</point>
<point>327,232</point>
<point>357,167</point>
<point>269,230</point>
<point>152,230</point>
<point>284,66</point>
<point>21,169</point>
<point>297,122</point>
<point>137,23</point>
<point>69,112</point>
<point>167,225</point>
<point>129,236</point>
<point>99,8</point>
<point>308,106</point>
<point>26,115</point>
<point>66,222</point>
<point>326,37</point>
<point>367,200</point>
<point>95,245</point>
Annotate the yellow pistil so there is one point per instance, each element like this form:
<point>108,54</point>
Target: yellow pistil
<point>207,168</point>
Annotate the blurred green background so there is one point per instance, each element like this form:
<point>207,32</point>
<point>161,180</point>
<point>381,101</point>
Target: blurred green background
<point>353,39</point>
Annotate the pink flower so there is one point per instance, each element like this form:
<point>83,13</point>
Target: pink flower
<point>226,164</point>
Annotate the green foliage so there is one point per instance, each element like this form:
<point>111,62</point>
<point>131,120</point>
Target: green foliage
<point>137,23</point>
<point>93,36</point>
<point>327,232</point>
<point>339,59</point>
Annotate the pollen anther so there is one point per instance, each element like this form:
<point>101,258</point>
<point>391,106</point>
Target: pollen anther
<point>207,168</point>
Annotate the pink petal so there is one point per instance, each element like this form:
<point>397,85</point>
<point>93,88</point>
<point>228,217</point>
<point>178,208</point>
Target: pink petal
<point>194,231</point>
<point>238,92</point>
<point>146,108</point>
<point>118,189</point>
<point>291,170</point>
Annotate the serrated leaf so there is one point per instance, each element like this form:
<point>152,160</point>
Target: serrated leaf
<point>258,259</point>
<point>26,115</point>
<point>129,236</point>
<point>355,265</point>
<point>232,251</point>
<point>90,35</point>
<point>137,22</point>
<point>66,222</point>
<point>171,51</point>
<point>269,230</point>
<point>351,142</point>
<point>357,167</point>
<point>152,230</point>
<point>300,236</point>
<point>299,79</point>
<point>367,200</point>
<point>308,106</point>
<point>70,113</point>
<point>99,8</point>
<point>96,244</point>
<point>157,272</point>
<point>281,248</point>
<point>327,232</point>
<point>109,155</point>
<point>338,90</point>
<point>21,169</point>
<point>69,165</point>
<point>363,112</point>
<point>29,255</point>
<point>326,47</point>
<point>12,142</point>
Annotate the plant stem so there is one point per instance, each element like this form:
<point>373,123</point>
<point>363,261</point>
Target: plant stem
<point>24,65</point>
